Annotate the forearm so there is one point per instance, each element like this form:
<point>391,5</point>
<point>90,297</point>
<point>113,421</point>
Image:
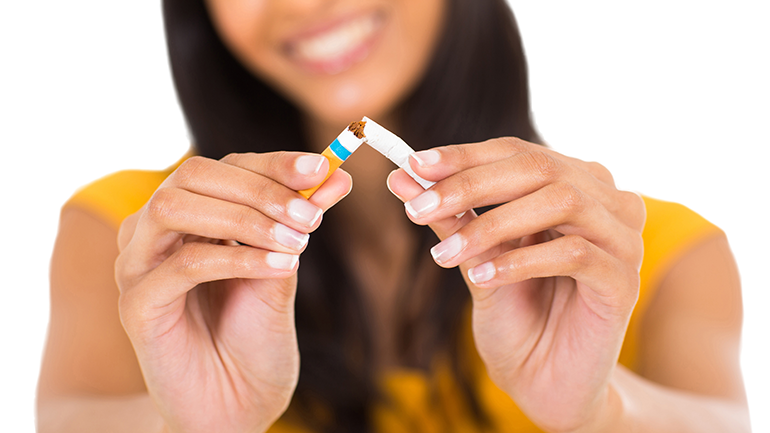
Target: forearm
<point>640,406</point>
<point>84,414</point>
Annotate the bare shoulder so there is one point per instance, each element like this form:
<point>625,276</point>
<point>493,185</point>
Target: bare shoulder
<point>87,351</point>
<point>690,337</point>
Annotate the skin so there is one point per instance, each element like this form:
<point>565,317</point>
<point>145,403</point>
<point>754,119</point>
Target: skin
<point>185,349</point>
<point>258,32</point>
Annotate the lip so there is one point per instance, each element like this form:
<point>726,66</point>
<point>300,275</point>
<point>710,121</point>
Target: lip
<point>296,47</point>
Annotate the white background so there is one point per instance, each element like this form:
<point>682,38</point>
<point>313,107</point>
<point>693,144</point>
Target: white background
<point>671,95</point>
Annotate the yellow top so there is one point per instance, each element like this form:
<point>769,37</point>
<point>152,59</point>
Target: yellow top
<point>671,230</point>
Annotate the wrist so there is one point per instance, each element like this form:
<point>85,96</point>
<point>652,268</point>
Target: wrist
<point>609,415</point>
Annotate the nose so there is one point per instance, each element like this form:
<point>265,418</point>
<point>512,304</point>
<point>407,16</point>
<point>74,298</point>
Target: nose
<point>301,8</point>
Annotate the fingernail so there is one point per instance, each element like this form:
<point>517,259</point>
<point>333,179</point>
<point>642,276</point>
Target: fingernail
<point>281,261</point>
<point>426,157</point>
<point>387,182</point>
<point>423,204</point>
<point>448,248</point>
<point>309,164</point>
<point>289,237</point>
<point>304,212</point>
<point>482,273</point>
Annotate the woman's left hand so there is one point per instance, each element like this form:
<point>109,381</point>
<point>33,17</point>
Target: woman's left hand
<point>553,271</point>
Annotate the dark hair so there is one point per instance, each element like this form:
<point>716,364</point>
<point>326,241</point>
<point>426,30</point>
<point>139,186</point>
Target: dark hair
<point>475,88</point>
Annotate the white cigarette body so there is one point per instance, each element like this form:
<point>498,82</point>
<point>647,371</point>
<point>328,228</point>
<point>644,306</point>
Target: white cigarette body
<point>392,147</point>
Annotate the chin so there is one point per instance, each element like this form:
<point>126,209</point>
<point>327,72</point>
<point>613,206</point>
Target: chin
<point>341,108</point>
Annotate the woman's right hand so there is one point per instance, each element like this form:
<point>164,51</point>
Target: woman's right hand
<point>207,278</point>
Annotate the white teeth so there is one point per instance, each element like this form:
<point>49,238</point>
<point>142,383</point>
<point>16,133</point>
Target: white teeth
<point>338,41</point>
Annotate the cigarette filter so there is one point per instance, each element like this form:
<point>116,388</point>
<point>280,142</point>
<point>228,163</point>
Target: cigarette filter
<point>341,148</point>
<point>392,147</point>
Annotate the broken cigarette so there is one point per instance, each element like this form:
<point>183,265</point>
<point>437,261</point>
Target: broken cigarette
<point>339,150</point>
<point>392,147</point>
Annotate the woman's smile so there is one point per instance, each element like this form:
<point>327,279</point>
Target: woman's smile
<point>335,60</point>
<point>334,47</point>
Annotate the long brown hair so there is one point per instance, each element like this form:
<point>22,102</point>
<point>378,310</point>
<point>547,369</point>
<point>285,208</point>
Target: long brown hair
<point>475,88</point>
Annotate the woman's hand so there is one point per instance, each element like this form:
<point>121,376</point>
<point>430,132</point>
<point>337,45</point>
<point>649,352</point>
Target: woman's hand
<point>553,271</point>
<point>207,275</point>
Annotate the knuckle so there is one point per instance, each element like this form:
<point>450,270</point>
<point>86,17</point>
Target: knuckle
<point>232,158</point>
<point>601,172</point>
<point>161,205</point>
<point>637,254</point>
<point>581,252</point>
<point>189,262</point>
<point>567,198</point>
<point>275,158</point>
<point>122,275</point>
<point>514,145</point>
<point>542,165</point>
<point>131,310</point>
<point>634,203</point>
<point>247,262</point>
<point>275,163</point>
<point>191,169</point>
<point>243,220</point>
<point>127,230</point>
<point>464,186</point>
<point>488,226</point>
<point>458,152</point>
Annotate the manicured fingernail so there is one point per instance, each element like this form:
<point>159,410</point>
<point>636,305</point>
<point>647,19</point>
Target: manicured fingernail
<point>304,212</point>
<point>289,237</point>
<point>482,273</point>
<point>423,204</point>
<point>387,182</point>
<point>448,248</point>
<point>309,164</point>
<point>426,157</point>
<point>281,261</point>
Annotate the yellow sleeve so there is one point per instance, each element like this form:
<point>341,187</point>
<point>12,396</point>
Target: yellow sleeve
<point>669,232</point>
<point>118,195</point>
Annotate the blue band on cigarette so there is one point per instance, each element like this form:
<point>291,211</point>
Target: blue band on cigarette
<point>339,150</point>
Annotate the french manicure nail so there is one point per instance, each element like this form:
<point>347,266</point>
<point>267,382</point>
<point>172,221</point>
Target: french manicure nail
<point>304,212</point>
<point>423,204</point>
<point>281,261</point>
<point>309,164</point>
<point>289,237</point>
<point>387,182</point>
<point>482,273</point>
<point>448,248</point>
<point>426,158</point>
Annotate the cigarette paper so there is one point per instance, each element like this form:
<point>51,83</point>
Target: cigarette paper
<point>392,147</point>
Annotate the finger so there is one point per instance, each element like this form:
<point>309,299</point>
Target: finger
<point>265,191</point>
<point>127,230</point>
<point>199,262</point>
<point>405,188</point>
<point>607,281</point>
<point>510,178</point>
<point>440,162</point>
<point>239,177</point>
<point>560,207</point>
<point>295,170</point>
<point>173,213</point>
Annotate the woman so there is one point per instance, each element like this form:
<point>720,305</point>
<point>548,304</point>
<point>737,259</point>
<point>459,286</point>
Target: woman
<point>535,332</point>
